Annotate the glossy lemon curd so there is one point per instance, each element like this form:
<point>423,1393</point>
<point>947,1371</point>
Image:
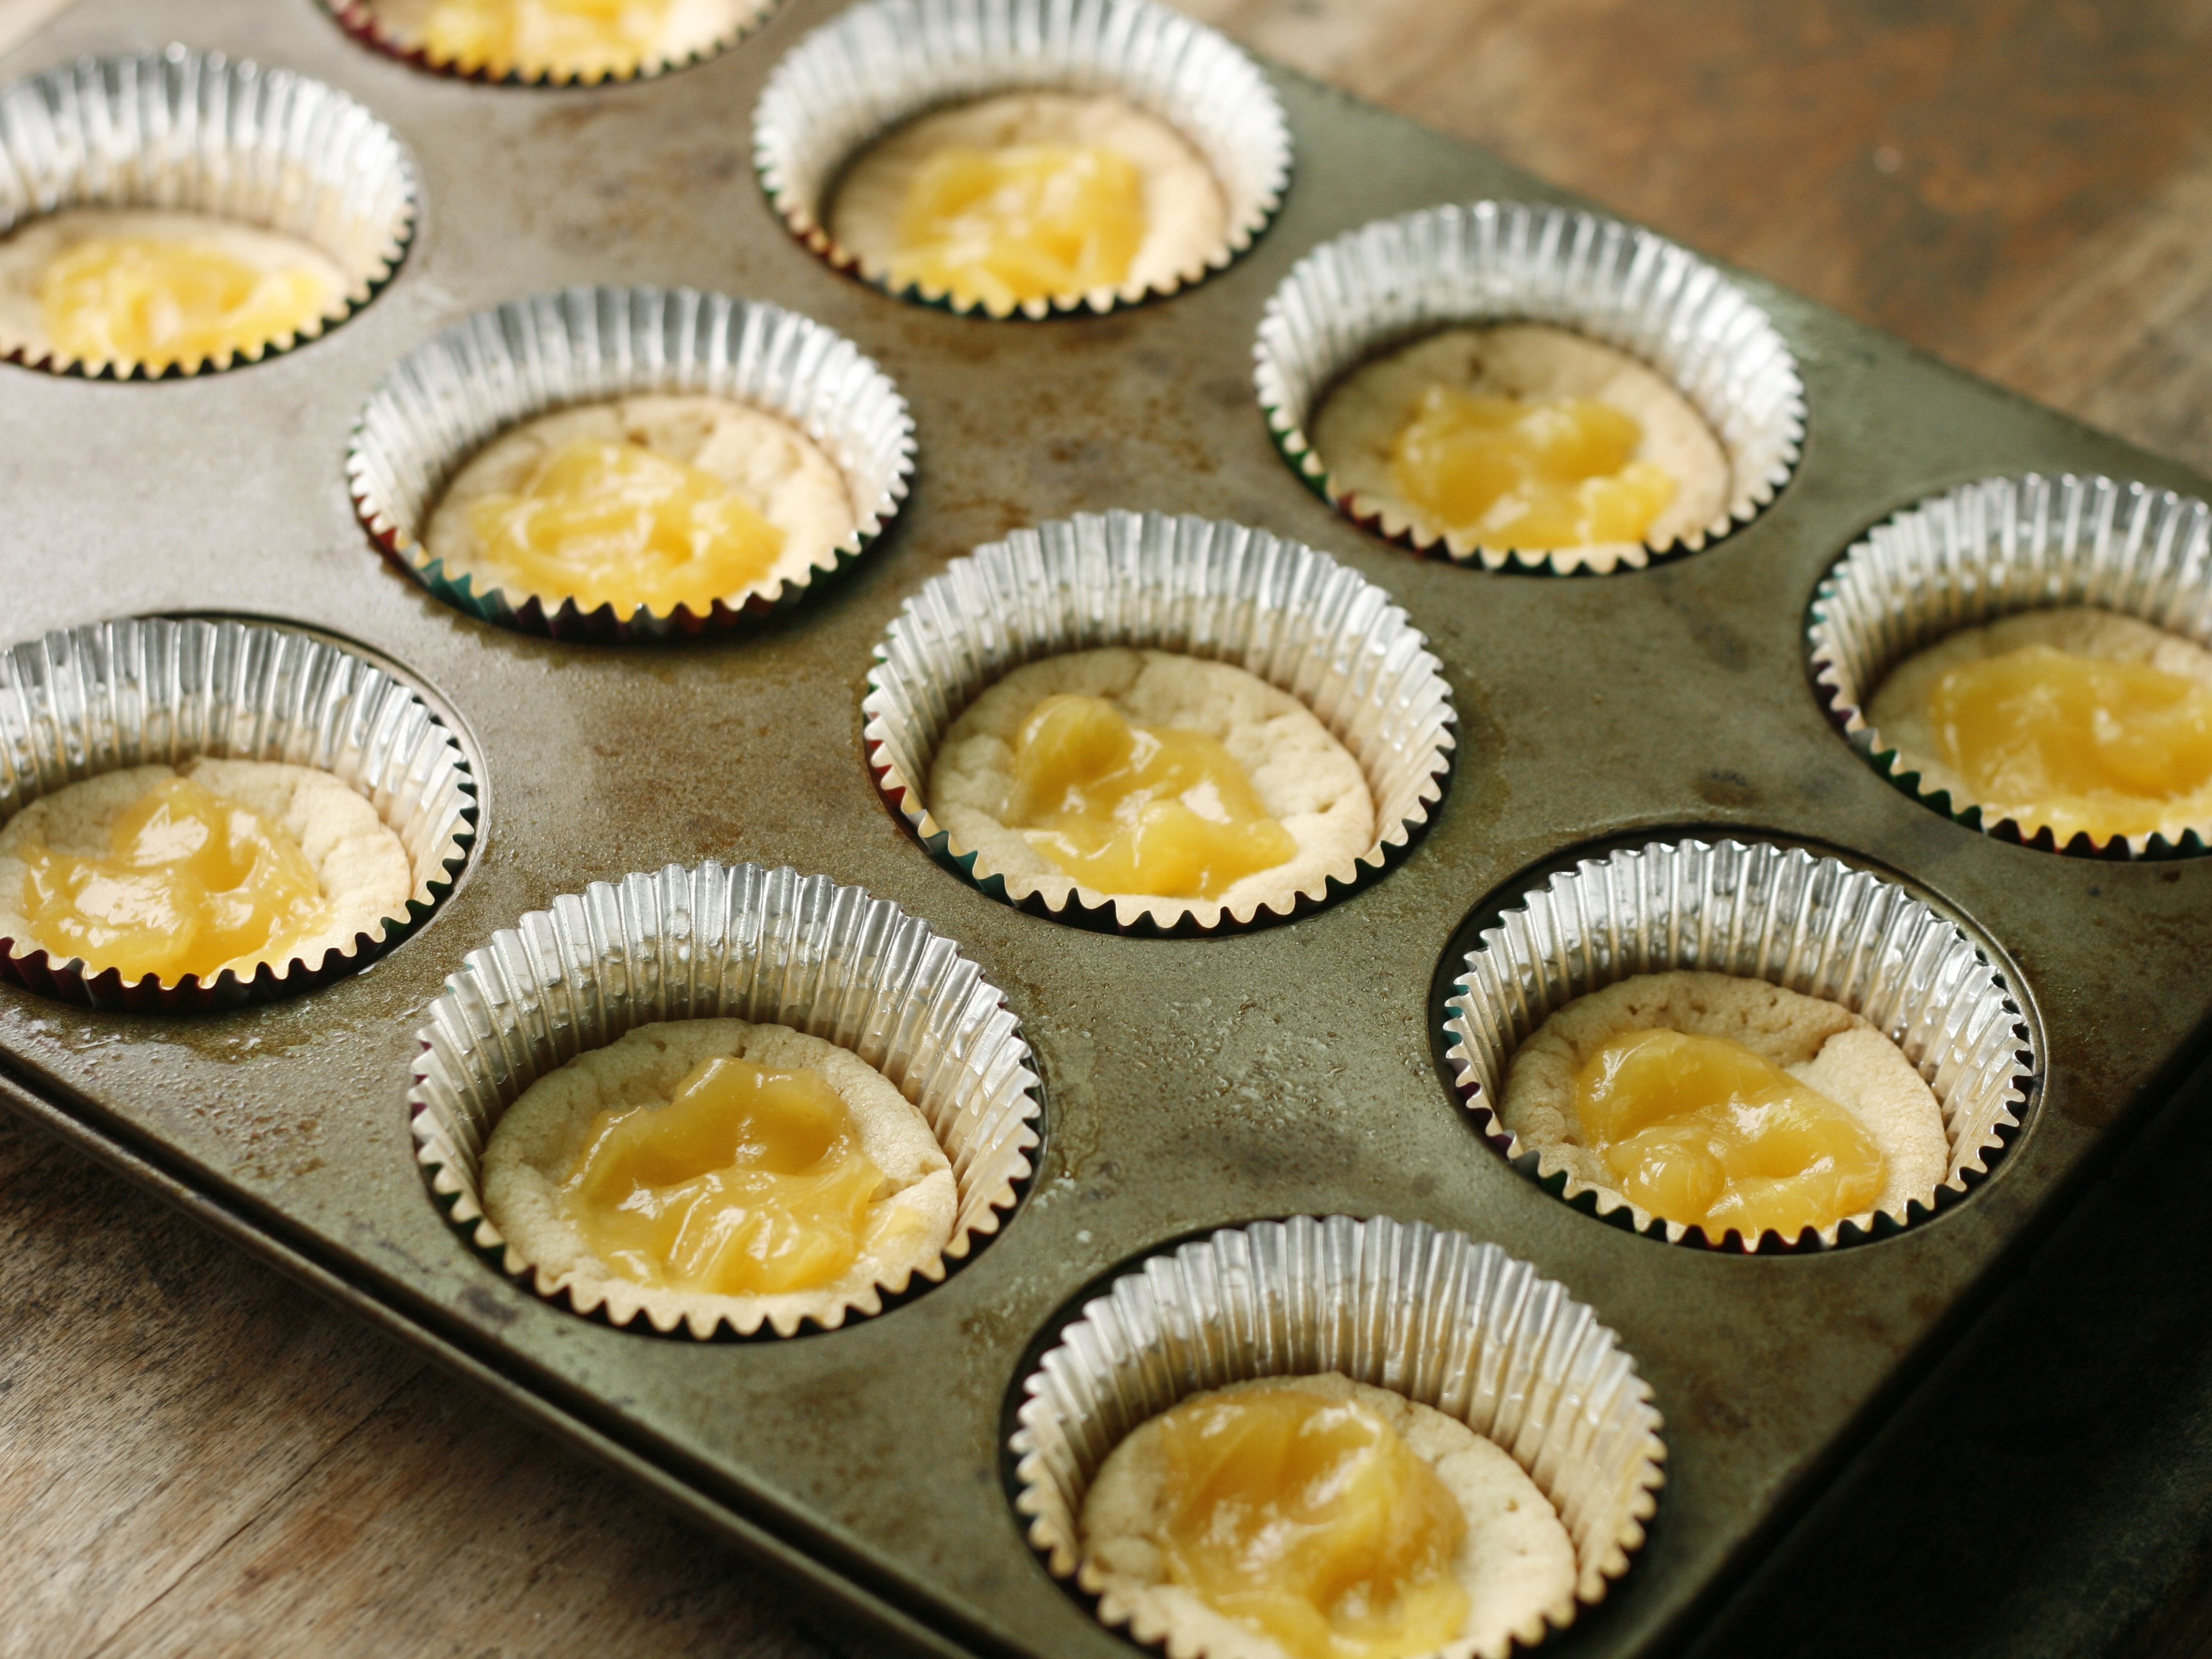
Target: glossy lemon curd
<point>156,301</point>
<point>1030,222</point>
<point>193,883</point>
<point>747,1183</point>
<point>2049,737</point>
<point>1702,1131</point>
<point>1556,472</point>
<point>1127,809</point>
<point>616,524</point>
<point>587,39</point>
<point>1312,1520</point>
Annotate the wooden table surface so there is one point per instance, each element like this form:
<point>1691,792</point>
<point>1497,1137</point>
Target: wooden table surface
<point>196,1457</point>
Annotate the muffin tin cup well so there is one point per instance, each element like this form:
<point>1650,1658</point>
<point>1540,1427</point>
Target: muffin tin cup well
<point>370,24</point>
<point>195,132</point>
<point>1388,283</point>
<point>1813,924</point>
<point>1992,548</point>
<point>770,946</point>
<point>1433,1315</point>
<point>446,399</point>
<point>1279,610</point>
<point>885,62</point>
<point>151,689</point>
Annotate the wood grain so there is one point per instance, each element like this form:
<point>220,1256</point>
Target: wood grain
<point>195,1457</point>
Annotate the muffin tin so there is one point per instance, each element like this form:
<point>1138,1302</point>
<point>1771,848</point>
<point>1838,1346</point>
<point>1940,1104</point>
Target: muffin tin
<point>1188,1084</point>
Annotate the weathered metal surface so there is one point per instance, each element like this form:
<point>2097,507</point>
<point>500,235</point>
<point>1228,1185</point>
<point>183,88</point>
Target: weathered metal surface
<point>1187,1082</point>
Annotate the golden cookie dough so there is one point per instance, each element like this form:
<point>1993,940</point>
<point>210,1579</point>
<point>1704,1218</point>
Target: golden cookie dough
<point>560,39</point>
<point>1515,1562</point>
<point>1899,709</point>
<point>1308,781</point>
<point>362,866</point>
<point>536,1145</point>
<point>1360,418</point>
<point>772,466</point>
<point>27,252</point>
<point>1186,215</point>
<point>1820,1043</point>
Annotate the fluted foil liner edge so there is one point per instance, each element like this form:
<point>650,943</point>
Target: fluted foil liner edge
<point>80,702</point>
<point>1990,548</point>
<point>445,400</point>
<point>197,131</point>
<point>887,61</point>
<point>1759,910</point>
<point>716,941</point>
<point>1434,1315</point>
<point>1391,282</point>
<point>1278,608</point>
<point>359,19</point>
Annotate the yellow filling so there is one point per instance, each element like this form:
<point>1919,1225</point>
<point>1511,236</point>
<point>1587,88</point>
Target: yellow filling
<point>1030,222</point>
<point>1312,1520</point>
<point>1556,472</point>
<point>747,1183</point>
<point>1702,1131</point>
<point>2048,737</point>
<point>616,524</point>
<point>193,883</point>
<point>156,301</point>
<point>1127,809</point>
<point>587,39</point>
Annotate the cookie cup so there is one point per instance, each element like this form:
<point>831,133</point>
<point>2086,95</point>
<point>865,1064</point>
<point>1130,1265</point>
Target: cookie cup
<point>361,20</point>
<point>1393,281</point>
<point>884,62</point>
<point>443,402</point>
<point>1293,617</point>
<point>1996,548</point>
<point>1435,1317</point>
<point>98,699</point>
<point>183,131</point>
<point>1810,923</point>
<point>769,946</point>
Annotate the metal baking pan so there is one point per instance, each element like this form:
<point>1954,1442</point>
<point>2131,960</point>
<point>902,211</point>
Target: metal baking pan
<point>1187,1082</point>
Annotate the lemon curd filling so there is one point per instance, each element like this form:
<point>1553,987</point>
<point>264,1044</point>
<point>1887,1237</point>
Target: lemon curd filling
<point>616,524</point>
<point>1312,1520</point>
<point>1553,472</point>
<point>1128,809</point>
<point>158,301</point>
<point>193,883</point>
<point>1028,221</point>
<point>1702,1131</point>
<point>591,38</point>
<point>2049,737</point>
<point>747,1182</point>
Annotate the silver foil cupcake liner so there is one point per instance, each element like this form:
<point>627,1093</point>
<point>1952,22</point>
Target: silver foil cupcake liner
<point>1390,283</point>
<point>1435,1317</point>
<point>1813,924</point>
<point>770,946</point>
<point>1991,548</point>
<point>884,62</point>
<point>196,131</point>
<point>151,690</point>
<point>371,24</point>
<point>1276,609</point>
<point>446,399</point>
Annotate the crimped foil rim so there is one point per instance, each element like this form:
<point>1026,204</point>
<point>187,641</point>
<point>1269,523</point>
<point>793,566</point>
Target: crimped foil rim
<point>736,941</point>
<point>358,19</point>
<point>1884,943</point>
<point>1279,609</point>
<point>884,62</point>
<point>1499,261</point>
<point>86,134</point>
<point>1434,1315</point>
<point>78,703</point>
<point>1994,548</point>
<point>459,390</point>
